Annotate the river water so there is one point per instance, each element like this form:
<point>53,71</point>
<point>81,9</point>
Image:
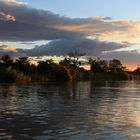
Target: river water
<point>70,111</point>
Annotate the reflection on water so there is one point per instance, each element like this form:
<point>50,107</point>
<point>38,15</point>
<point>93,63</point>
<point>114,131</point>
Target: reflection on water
<point>73,111</point>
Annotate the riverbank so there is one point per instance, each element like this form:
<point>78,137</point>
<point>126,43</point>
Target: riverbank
<point>69,69</point>
<point>13,75</point>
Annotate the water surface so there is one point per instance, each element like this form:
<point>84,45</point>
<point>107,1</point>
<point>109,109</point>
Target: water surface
<point>70,111</point>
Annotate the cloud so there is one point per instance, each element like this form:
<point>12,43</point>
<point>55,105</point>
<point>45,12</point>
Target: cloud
<point>125,56</point>
<point>6,48</point>
<point>15,2</point>
<point>32,24</point>
<point>131,59</point>
<point>27,43</point>
<point>6,17</point>
<point>35,24</point>
<point>10,50</point>
<point>102,18</point>
<point>65,46</point>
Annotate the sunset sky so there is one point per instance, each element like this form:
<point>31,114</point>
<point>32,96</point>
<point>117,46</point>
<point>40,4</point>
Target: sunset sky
<point>107,29</point>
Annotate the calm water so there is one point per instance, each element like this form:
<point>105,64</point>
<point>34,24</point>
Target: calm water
<point>65,111</point>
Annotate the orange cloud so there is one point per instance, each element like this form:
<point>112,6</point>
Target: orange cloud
<point>16,2</point>
<point>7,17</point>
<point>105,30</point>
<point>8,48</point>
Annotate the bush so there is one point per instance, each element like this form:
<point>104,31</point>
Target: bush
<point>12,75</point>
<point>60,73</point>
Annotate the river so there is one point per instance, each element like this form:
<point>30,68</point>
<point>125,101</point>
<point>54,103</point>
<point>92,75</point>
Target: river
<point>70,111</point>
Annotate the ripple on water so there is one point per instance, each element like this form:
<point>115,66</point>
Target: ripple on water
<point>80,111</point>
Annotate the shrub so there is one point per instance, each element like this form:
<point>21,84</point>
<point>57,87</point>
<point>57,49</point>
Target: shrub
<point>12,75</point>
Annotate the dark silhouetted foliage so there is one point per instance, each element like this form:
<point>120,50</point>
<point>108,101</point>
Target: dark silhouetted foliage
<point>99,66</point>
<point>21,70</point>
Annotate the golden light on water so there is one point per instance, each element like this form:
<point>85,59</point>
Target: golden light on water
<point>136,121</point>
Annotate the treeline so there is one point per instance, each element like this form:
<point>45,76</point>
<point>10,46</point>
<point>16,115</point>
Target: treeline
<point>21,70</point>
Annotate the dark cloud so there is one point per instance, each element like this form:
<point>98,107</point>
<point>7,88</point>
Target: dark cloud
<point>127,57</point>
<point>35,24</point>
<point>65,46</point>
<point>31,24</point>
<point>27,43</point>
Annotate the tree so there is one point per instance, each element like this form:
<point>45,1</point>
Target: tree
<point>72,59</point>
<point>22,64</point>
<point>7,60</point>
<point>137,70</point>
<point>98,66</point>
<point>115,66</point>
<point>60,73</point>
<point>22,61</point>
<point>45,66</point>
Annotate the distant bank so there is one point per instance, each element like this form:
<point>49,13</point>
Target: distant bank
<point>69,69</point>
